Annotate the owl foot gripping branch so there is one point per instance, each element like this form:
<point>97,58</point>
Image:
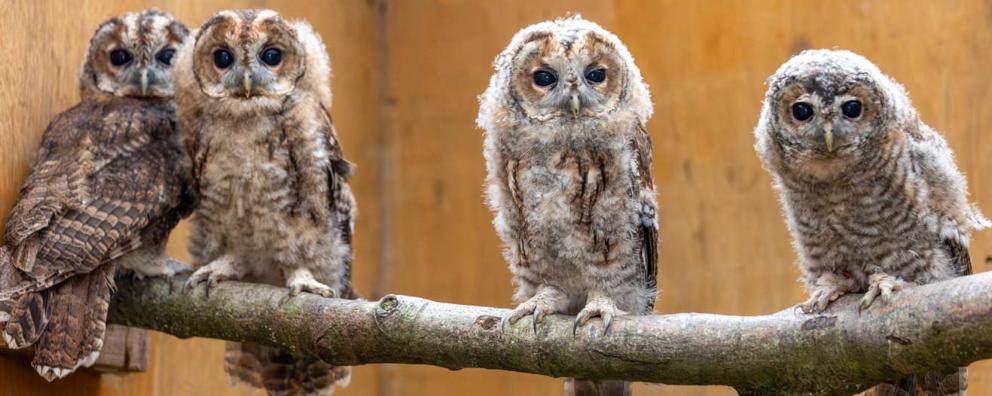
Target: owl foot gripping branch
<point>230,125</point>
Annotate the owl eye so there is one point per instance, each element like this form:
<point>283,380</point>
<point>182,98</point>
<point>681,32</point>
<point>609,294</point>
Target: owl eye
<point>851,109</point>
<point>223,58</point>
<point>165,56</point>
<point>544,78</point>
<point>802,111</point>
<point>596,76</point>
<point>120,57</point>
<point>271,56</point>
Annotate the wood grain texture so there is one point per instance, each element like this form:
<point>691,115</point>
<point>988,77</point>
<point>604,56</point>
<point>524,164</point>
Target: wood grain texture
<point>409,127</point>
<point>724,245</point>
<point>46,44</point>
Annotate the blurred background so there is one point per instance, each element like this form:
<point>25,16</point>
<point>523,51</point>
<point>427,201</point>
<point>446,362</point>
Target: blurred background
<point>406,77</point>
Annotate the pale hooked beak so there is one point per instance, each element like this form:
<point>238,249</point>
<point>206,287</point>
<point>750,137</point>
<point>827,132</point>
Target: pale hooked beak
<point>828,137</point>
<point>574,102</point>
<point>144,82</point>
<point>247,85</point>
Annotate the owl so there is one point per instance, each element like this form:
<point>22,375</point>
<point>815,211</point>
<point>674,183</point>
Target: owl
<point>871,194</point>
<point>107,185</point>
<point>569,173</point>
<point>275,205</point>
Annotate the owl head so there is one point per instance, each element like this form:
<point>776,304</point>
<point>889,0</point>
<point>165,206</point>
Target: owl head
<point>256,57</point>
<point>566,70</point>
<point>830,107</point>
<point>133,56</point>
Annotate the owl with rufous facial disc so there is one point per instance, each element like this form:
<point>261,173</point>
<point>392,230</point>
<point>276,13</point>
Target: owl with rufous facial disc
<point>254,103</point>
<point>569,176</point>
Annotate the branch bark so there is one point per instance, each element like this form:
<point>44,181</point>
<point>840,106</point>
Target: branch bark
<point>840,351</point>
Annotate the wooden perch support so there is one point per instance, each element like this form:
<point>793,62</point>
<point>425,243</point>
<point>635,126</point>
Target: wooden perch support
<point>942,325</point>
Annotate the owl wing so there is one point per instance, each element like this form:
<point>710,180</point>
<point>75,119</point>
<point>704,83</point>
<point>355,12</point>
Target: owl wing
<point>52,186</point>
<point>933,158</point>
<point>341,199</point>
<point>100,179</point>
<point>647,214</point>
<point>322,172</point>
<point>958,253</point>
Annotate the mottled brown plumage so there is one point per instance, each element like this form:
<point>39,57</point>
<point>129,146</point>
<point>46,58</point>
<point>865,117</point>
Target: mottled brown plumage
<point>275,204</point>
<point>569,181</point>
<point>871,194</point>
<point>107,186</point>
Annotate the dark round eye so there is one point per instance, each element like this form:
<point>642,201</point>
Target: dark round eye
<point>272,56</point>
<point>165,56</point>
<point>851,109</point>
<point>802,111</point>
<point>596,76</point>
<point>119,57</point>
<point>544,78</point>
<point>223,58</point>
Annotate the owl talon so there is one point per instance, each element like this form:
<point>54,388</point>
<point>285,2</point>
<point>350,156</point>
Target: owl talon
<point>548,301</point>
<point>302,280</point>
<point>821,298</point>
<point>518,314</point>
<point>607,321</point>
<point>219,270</point>
<point>599,306</point>
<point>884,286</point>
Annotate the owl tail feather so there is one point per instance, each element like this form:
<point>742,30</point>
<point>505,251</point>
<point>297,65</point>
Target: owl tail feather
<point>954,382</point>
<point>5,266</point>
<point>577,387</point>
<point>77,324</point>
<point>280,372</point>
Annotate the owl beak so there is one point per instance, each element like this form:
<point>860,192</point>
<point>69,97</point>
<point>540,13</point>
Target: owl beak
<point>828,137</point>
<point>574,102</point>
<point>247,85</point>
<point>144,82</point>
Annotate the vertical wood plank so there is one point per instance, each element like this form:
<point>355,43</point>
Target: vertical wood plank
<point>410,128</point>
<point>442,241</point>
<point>43,49</point>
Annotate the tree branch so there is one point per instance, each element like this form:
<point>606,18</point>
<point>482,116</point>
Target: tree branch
<point>936,326</point>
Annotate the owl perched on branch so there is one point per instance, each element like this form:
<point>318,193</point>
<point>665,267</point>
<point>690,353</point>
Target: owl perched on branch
<point>253,100</point>
<point>108,184</point>
<point>870,193</point>
<point>569,164</point>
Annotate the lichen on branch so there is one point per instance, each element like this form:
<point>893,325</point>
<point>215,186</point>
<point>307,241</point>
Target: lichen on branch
<point>840,351</point>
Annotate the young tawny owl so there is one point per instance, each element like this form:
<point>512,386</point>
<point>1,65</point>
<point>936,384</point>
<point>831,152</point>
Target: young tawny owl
<point>108,184</point>
<point>569,165</point>
<point>870,193</point>
<point>275,206</point>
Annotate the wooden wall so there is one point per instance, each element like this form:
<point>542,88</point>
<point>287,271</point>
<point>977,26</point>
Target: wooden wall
<point>407,73</point>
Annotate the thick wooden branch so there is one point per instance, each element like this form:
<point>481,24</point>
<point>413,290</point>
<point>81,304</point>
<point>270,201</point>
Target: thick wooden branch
<point>840,351</point>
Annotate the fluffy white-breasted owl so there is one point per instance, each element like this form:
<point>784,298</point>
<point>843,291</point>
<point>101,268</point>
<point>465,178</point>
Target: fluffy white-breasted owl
<point>107,185</point>
<point>569,172</point>
<point>871,194</point>
<point>275,207</point>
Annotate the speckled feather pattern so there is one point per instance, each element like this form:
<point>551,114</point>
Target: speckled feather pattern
<point>107,185</point>
<point>888,207</point>
<point>569,177</point>
<point>571,195</point>
<point>275,205</point>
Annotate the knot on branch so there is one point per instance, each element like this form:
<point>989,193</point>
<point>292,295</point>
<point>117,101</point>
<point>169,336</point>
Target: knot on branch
<point>387,306</point>
<point>938,326</point>
<point>488,322</point>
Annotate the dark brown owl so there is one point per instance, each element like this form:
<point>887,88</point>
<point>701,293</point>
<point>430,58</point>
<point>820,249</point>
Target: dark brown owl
<point>106,188</point>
